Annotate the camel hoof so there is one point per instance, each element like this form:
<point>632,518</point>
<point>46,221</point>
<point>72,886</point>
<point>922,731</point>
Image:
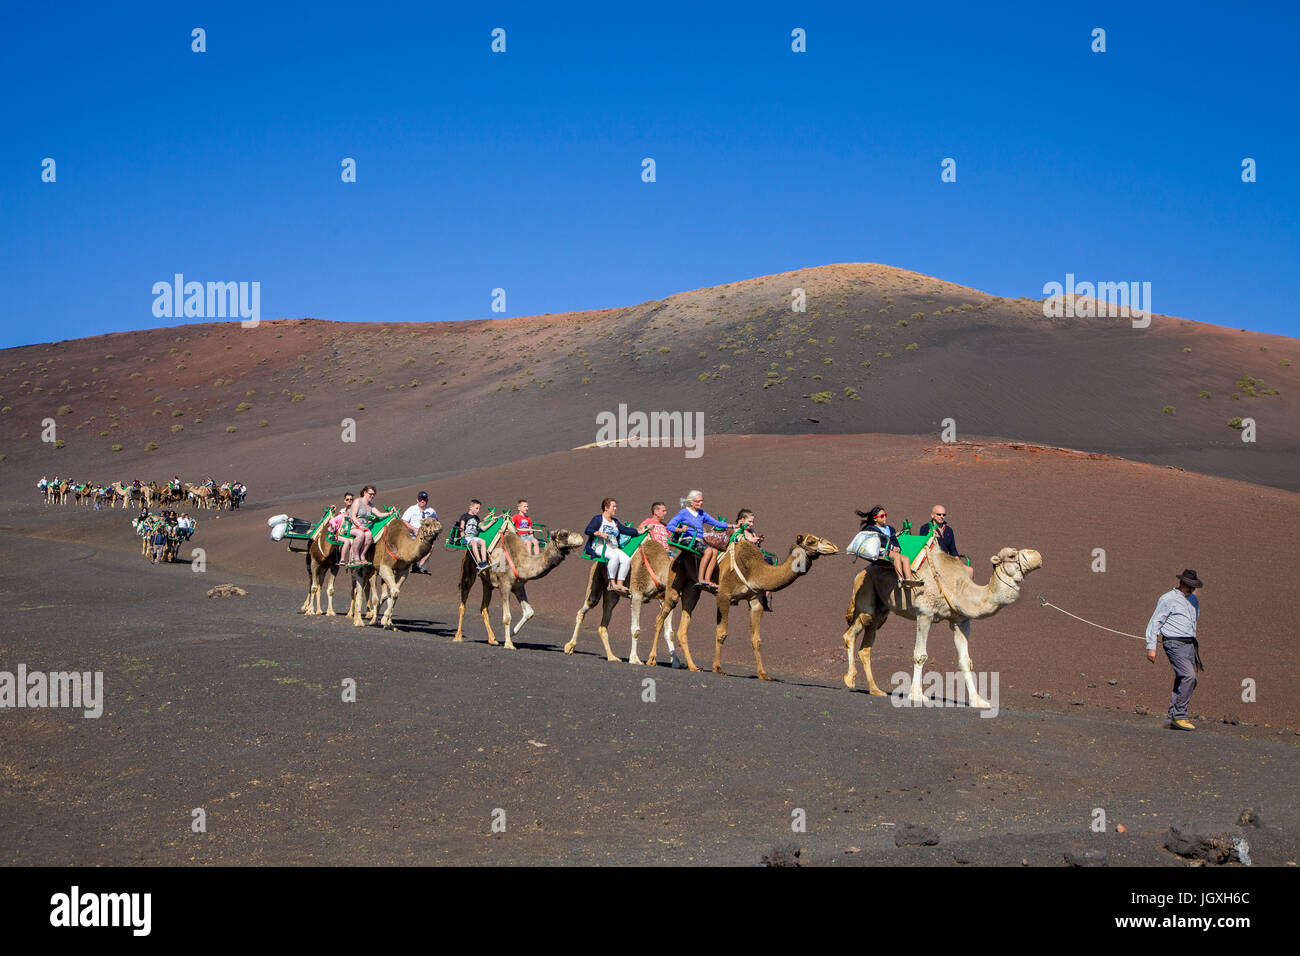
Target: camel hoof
<point>850,681</point>
<point>981,703</point>
<point>331,614</point>
<point>651,661</point>
<point>877,692</point>
<point>693,669</point>
<point>458,639</point>
<point>634,659</point>
<point>510,646</point>
<point>762,675</point>
<point>614,659</point>
<point>568,648</point>
<point>717,669</point>
<point>493,641</point>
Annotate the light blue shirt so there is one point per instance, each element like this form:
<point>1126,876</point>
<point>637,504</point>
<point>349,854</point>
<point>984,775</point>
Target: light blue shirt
<point>1175,616</point>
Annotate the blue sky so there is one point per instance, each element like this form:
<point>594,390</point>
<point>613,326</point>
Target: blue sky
<point>523,170</point>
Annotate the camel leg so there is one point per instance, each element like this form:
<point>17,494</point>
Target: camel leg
<point>673,659</point>
<point>376,596</point>
<point>682,628</point>
<point>359,593</point>
<point>587,604</point>
<point>918,657</point>
<point>755,620</point>
<point>720,633</point>
<point>393,587</point>
<point>483,612</point>
<point>606,615</point>
<point>525,609</point>
<point>960,635</point>
<point>505,613</point>
<point>460,620</point>
<point>332,574</point>
<point>864,655</point>
<point>661,621</point>
<point>636,602</point>
<point>311,590</point>
<point>852,641</point>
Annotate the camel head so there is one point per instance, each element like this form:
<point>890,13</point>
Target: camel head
<point>812,548</point>
<point>1012,565</point>
<point>429,529</point>
<point>567,541</point>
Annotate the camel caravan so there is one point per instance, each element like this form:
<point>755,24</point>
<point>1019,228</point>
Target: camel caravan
<point>227,495</point>
<point>672,561</point>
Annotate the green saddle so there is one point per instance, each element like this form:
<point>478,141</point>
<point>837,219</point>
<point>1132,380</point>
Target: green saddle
<point>912,545</point>
<point>456,539</point>
<point>628,547</point>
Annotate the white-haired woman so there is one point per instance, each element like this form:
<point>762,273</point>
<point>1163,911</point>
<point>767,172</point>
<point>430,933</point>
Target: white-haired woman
<point>695,520</point>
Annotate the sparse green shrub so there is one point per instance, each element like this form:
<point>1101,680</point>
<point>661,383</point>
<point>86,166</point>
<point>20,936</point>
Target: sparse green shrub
<point>1202,394</point>
<point>1234,422</point>
<point>176,428</point>
<point>820,398</point>
<point>65,409</point>
<point>59,443</point>
<point>243,407</point>
<point>1168,409</point>
<point>152,446</point>
<point>298,396</point>
<point>231,429</point>
<point>263,423</point>
<point>117,448</point>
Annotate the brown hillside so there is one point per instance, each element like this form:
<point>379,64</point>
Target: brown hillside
<point>878,349</point>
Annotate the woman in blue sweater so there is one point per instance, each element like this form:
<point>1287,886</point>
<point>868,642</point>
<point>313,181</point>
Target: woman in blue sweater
<point>694,518</point>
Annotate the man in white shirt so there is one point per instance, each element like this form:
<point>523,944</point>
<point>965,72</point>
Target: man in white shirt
<point>1174,622</point>
<point>414,516</point>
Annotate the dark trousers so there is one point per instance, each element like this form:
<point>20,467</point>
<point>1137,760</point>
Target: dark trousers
<point>1181,652</point>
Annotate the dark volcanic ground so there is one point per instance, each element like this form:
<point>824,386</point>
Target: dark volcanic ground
<point>233,705</point>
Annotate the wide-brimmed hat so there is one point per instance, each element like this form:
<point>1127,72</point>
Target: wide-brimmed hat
<point>1189,578</point>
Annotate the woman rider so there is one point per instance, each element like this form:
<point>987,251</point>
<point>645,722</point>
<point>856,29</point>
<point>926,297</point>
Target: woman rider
<point>694,518</point>
<point>875,521</point>
<point>602,542</point>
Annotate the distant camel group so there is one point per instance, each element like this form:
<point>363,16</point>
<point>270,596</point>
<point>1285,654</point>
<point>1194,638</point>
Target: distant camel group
<point>227,495</point>
<point>668,575</point>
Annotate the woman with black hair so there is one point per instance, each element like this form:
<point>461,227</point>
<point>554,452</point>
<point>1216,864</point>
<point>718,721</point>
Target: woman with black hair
<point>875,522</point>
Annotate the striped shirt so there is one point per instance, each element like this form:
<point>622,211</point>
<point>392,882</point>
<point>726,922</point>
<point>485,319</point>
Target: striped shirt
<point>1175,616</point>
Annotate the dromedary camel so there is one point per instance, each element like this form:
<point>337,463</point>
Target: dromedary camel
<point>743,575</point>
<point>732,588</point>
<point>949,595</point>
<point>322,563</point>
<point>201,494</point>
<point>391,555</point>
<point>510,566</point>
<point>651,569</point>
